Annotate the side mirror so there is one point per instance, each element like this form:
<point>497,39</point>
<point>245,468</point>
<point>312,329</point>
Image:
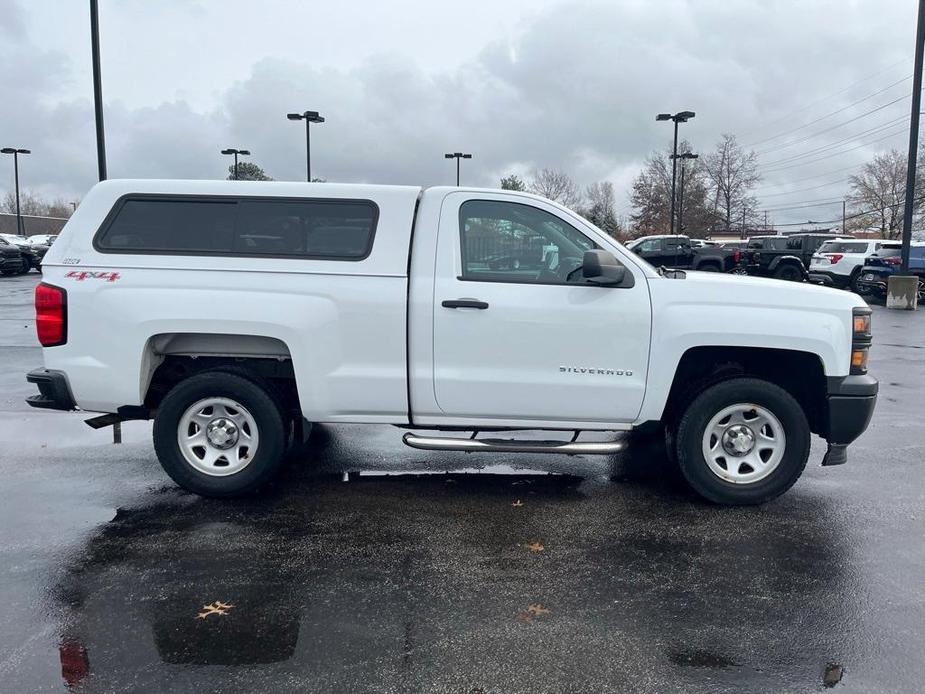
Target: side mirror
<point>601,268</point>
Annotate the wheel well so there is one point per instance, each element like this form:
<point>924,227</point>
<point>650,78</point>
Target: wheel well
<point>799,373</point>
<point>172,357</point>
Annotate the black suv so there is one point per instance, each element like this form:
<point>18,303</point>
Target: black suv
<point>677,252</point>
<point>784,257</point>
<point>11,260</point>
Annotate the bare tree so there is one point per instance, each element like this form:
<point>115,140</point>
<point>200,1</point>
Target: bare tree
<point>651,196</point>
<point>878,194</point>
<point>557,186</point>
<point>29,203</point>
<point>32,204</point>
<point>733,173</point>
<point>600,208</point>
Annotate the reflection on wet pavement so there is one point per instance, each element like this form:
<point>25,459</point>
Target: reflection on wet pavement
<point>416,582</point>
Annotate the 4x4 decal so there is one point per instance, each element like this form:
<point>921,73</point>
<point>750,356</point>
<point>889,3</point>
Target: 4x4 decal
<point>81,275</point>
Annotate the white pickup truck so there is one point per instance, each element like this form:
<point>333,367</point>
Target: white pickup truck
<point>235,314</point>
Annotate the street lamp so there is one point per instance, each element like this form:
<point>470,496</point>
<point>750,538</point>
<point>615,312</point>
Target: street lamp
<point>682,157</point>
<point>309,117</point>
<point>236,152</point>
<point>680,117</point>
<point>20,229</point>
<point>457,156</point>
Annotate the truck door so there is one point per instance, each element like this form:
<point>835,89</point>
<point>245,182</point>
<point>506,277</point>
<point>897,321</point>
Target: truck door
<point>527,339</point>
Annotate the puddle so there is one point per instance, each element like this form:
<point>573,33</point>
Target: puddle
<point>700,658</point>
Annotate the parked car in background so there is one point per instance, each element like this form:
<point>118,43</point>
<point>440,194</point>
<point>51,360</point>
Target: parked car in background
<point>677,251</point>
<point>32,253</point>
<point>838,263</point>
<point>885,262</point>
<point>11,262</point>
<point>42,239</point>
<point>784,257</point>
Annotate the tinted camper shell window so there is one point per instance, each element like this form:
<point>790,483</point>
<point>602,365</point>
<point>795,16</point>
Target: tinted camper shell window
<point>299,228</point>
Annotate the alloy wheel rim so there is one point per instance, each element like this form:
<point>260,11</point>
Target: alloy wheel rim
<point>217,436</point>
<point>743,443</point>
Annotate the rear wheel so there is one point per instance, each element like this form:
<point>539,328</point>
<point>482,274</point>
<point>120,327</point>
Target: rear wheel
<point>220,434</point>
<point>789,273</point>
<point>743,441</point>
<point>709,267</point>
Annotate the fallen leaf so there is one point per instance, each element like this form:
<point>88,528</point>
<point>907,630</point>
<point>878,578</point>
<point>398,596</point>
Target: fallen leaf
<point>217,607</point>
<point>535,547</point>
<point>532,611</point>
<point>517,504</point>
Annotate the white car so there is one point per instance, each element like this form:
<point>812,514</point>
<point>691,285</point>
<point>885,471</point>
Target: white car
<point>838,263</point>
<point>236,313</point>
<point>42,239</point>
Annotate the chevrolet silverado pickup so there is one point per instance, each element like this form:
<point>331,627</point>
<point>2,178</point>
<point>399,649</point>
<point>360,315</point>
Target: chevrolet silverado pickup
<point>236,314</point>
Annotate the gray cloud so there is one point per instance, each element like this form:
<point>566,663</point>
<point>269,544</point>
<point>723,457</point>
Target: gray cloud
<point>576,87</point>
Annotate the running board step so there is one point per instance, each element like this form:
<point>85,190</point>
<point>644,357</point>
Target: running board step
<point>441,443</point>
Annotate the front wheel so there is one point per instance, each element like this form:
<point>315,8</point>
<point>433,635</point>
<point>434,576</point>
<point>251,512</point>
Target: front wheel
<point>743,441</point>
<point>219,434</point>
<point>789,273</point>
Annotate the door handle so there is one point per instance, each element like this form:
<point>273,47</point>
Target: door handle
<point>464,303</point>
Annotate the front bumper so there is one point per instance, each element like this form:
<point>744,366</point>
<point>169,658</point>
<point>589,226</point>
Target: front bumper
<point>10,262</point>
<point>54,391</point>
<point>851,402</point>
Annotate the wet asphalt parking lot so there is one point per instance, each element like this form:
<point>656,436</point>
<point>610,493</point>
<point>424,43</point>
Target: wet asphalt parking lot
<point>467,573</point>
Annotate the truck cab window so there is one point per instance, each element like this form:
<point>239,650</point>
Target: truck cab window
<point>513,242</point>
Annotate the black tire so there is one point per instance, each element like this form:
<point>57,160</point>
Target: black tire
<point>257,399</point>
<point>26,266</point>
<point>712,401</point>
<point>789,273</point>
<point>709,267</point>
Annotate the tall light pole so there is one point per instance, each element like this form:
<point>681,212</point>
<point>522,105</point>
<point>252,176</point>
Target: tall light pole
<point>236,152</point>
<point>20,229</point>
<point>309,117</point>
<point>457,156</point>
<point>913,140</point>
<point>682,157</point>
<point>680,117</point>
<point>97,88</point>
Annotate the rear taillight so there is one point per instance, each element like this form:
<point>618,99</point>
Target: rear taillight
<point>892,260</point>
<point>737,256</point>
<point>835,257</point>
<point>50,315</point>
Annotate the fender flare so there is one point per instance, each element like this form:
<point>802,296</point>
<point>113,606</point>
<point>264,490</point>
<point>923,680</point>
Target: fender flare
<point>709,260</point>
<point>774,264</point>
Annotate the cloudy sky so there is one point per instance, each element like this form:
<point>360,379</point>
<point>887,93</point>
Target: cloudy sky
<point>815,86</point>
